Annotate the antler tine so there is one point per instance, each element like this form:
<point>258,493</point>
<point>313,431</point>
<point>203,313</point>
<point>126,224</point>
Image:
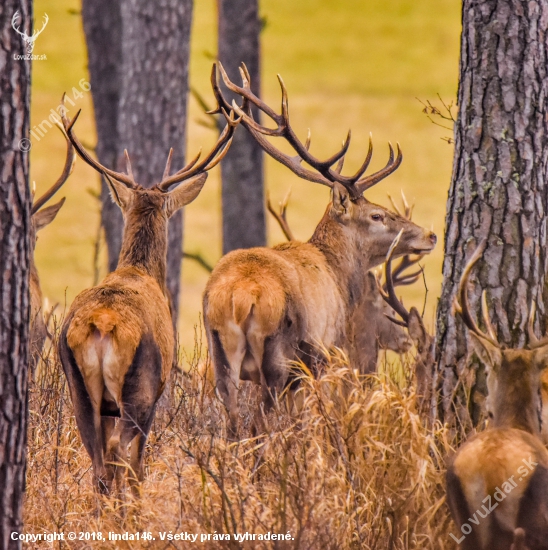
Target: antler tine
<point>366,162</point>
<point>217,153</point>
<point>461,299</point>
<point>67,171</point>
<point>485,315</point>
<point>167,169</point>
<point>533,340</point>
<point>69,125</point>
<point>389,292</point>
<point>391,166</point>
<point>408,210</point>
<point>280,216</point>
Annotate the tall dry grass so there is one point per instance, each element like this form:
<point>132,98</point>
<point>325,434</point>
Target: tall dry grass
<point>356,469</point>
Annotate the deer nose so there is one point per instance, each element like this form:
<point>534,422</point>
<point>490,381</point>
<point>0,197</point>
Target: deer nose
<point>432,237</point>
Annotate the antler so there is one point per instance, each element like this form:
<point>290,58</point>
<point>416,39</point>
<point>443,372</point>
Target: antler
<point>67,170</point>
<point>14,22</point>
<point>127,179</point>
<point>215,156</point>
<point>388,291</point>
<point>192,169</point>
<point>325,173</point>
<point>36,33</point>
<point>407,261</point>
<point>281,216</point>
<point>462,305</point>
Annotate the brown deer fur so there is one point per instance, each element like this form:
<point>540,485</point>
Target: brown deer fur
<point>265,307</point>
<point>117,341</point>
<point>370,328</point>
<point>509,455</point>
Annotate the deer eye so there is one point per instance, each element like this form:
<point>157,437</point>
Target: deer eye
<point>376,217</point>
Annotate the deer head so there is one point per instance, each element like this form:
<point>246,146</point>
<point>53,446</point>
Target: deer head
<point>355,219</point>
<point>147,210</point>
<point>513,375</point>
<point>29,40</point>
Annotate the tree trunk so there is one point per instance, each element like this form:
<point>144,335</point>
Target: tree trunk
<point>103,29</point>
<point>498,188</point>
<point>153,101</point>
<point>244,223</point>
<point>15,203</point>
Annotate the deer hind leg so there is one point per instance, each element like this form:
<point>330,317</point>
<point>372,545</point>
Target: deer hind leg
<point>140,393</point>
<point>227,362</point>
<point>274,374</point>
<point>88,415</point>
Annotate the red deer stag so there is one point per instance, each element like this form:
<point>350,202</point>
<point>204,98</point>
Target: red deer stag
<point>117,341</point>
<point>370,328</point>
<point>264,307</point>
<point>497,482</point>
<point>42,216</point>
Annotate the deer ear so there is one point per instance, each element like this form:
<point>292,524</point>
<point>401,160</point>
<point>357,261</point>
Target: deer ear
<point>415,326</point>
<point>46,215</point>
<point>121,194</point>
<point>489,354</point>
<point>184,194</point>
<point>342,204</point>
<point>541,357</point>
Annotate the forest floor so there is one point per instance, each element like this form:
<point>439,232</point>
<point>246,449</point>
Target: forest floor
<point>346,64</point>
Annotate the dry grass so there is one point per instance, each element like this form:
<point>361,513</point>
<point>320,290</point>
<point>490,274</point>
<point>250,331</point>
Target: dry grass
<point>356,470</point>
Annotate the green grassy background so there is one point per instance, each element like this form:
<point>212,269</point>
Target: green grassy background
<point>357,64</point>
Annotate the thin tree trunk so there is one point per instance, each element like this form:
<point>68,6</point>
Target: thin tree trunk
<point>103,29</point>
<point>498,188</point>
<point>14,265</point>
<point>244,223</point>
<point>153,101</point>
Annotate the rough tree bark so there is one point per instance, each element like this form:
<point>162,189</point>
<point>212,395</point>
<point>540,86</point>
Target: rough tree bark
<point>153,101</point>
<point>244,223</point>
<point>15,203</point>
<point>103,29</point>
<point>498,188</point>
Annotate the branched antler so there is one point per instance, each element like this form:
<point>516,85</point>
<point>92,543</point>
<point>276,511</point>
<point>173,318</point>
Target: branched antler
<point>328,171</point>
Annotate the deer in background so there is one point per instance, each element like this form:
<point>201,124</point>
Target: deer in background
<point>265,307</point>
<point>370,328</point>
<point>497,482</point>
<point>42,216</point>
<point>412,320</point>
<point>117,341</point>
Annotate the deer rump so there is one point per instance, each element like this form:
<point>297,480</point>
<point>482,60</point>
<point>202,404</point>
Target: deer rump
<point>266,307</point>
<point>496,484</point>
<point>115,357</point>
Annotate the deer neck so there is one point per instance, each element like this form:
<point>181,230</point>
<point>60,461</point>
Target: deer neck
<point>517,406</point>
<point>144,245</point>
<point>348,261</point>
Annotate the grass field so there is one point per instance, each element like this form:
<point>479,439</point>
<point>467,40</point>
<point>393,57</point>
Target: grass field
<point>346,63</point>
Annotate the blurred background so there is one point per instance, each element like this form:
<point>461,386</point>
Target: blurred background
<point>360,64</point>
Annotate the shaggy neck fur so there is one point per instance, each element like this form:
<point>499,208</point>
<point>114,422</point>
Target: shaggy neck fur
<point>348,261</point>
<point>144,244</point>
<point>516,401</point>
